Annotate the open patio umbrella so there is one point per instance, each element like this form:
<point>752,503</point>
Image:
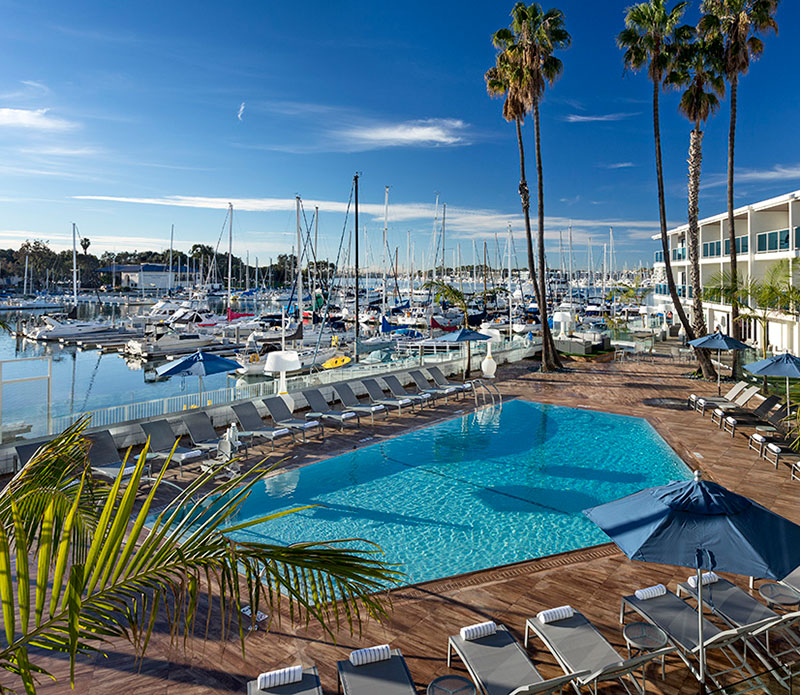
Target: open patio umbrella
<point>785,365</point>
<point>699,524</point>
<point>462,335</point>
<point>200,364</point>
<point>718,341</point>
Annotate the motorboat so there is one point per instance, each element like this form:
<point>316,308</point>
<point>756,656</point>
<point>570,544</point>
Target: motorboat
<point>162,339</point>
<point>51,328</point>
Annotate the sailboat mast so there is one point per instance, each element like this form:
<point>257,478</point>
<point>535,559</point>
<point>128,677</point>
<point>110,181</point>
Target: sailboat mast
<point>383,251</point>
<point>444,257</point>
<point>169,277</point>
<point>355,185</point>
<point>230,251</point>
<point>569,282</point>
<point>315,269</point>
<point>510,310</point>
<point>299,264</point>
<point>74,265</point>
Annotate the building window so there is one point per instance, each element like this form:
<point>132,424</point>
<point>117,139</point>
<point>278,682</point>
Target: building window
<point>778,240</point>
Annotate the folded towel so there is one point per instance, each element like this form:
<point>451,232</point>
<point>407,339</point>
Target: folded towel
<point>553,614</point>
<point>760,438</point>
<point>380,652</point>
<point>730,420</point>
<point>187,455</point>
<point>283,676</point>
<point>774,448</point>
<point>650,592</point>
<point>708,578</point>
<point>478,630</point>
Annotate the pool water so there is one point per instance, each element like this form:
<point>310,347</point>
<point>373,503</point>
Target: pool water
<point>492,487</point>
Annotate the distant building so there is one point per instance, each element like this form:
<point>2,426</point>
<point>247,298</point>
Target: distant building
<point>147,276</point>
<point>766,232</point>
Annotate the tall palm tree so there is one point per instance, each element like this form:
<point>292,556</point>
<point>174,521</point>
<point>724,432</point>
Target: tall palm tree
<point>696,68</point>
<point>539,33</point>
<point>506,78</point>
<point>92,561</point>
<point>443,291</point>
<point>738,24</point>
<point>647,40</point>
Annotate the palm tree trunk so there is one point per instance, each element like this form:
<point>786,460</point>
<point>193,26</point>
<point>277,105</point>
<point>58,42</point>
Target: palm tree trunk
<point>550,360</point>
<point>735,328</point>
<point>698,320</point>
<point>525,197</point>
<point>662,212</point>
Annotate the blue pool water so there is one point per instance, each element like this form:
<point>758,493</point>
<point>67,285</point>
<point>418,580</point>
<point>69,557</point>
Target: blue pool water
<point>482,490</point>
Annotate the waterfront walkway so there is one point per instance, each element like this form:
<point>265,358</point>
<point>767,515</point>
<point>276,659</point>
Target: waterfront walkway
<point>591,580</point>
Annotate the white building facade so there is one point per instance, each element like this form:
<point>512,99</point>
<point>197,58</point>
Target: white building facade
<point>766,232</point>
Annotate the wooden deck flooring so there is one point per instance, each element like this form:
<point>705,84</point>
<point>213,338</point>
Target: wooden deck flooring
<point>592,580</point>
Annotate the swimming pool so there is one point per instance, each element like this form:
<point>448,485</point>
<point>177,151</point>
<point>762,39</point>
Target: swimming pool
<point>478,491</point>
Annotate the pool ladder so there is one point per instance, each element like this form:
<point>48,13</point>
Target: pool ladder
<point>487,391</point>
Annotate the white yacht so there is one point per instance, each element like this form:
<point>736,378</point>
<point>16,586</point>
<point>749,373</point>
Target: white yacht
<point>164,340</point>
<point>52,328</point>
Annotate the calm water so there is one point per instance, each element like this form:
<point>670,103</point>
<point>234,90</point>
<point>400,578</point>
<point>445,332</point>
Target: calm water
<point>478,491</point>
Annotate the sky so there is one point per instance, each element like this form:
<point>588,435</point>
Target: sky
<point>127,118</point>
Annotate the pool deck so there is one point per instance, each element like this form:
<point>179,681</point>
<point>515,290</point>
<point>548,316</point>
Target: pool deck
<point>592,580</point>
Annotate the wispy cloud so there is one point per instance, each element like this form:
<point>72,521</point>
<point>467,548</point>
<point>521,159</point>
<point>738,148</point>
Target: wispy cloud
<point>240,112</point>
<point>617,165</point>
<point>60,151</point>
<point>779,172</point>
<point>430,131</point>
<point>33,119</point>
<point>598,117</point>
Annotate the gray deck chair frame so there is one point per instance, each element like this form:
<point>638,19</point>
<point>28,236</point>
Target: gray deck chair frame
<point>694,400</point>
<point>104,457</point>
<point>201,431</point>
<point>679,621</point>
<point>578,646</point>
<point>441,380</point>
<point>399,391</point>
<point>376,395</point>
<point>162,439</point>
<point>738,608</point>
<point>320,410</point>
<point>749,418</point>
<point>720,410</point>
<point>308,685</point>
<point>253,426</point>
<point>436,392</point>
<point>350,401</point>
<point>388,677</point>
<point>282,416</point>
<point>498,665</point>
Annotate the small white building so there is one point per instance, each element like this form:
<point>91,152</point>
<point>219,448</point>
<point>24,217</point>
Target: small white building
<point>766,232</point>
<point>148,276</point>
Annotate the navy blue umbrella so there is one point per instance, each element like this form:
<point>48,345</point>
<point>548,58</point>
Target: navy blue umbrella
<point>718,341</point>
<point>462,335</point>
<point>699,524</point>
<point>199,364</point>
<point>785,365</point>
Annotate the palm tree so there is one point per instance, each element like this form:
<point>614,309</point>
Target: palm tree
<point>634,293</point>
<point>539,34</point>
<point>737,23</point>
<point>85,243</point>
<point>92,562</point>
<point>444,292</point>
<point>506,78</point>
<point>697,69</point>
<point>647,40</point>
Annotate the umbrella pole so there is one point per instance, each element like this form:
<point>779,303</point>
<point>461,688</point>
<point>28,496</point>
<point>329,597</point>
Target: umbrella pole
<point>701,655</point>
<point>788,412</point>
<point>719,371</point>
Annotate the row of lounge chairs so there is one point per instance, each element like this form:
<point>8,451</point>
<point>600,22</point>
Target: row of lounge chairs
<point>105,458</point>
<point>499,665</point>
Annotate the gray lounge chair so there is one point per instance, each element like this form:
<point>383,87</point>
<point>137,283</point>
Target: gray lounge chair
<point>282,416</point>
<point>162,439</point>
<point>498,665</point>
<point>734,391</point>
<point>104,456</point>
<point>752,418</point>
<point>377,395</point>
<point>320,410</point>
<point>441,380</point>
<point>308,685</point>
<point>436,392</point>
<point>738,608</point>
<point>253,426</point>
<point>350,401</point>
<point>679,621</point>
<point>720,409</point>
<point>388,677</point>
<point>201,431</point>
<point>25,452</point>
<point>578,646</point>
<point>792,580</point>
<point>397,390</point>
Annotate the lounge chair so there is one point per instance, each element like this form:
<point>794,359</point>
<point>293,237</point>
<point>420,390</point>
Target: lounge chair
<point>201,431</point>
<point>694,400</point>
<point>679,621</point>
<point>578,646</point>
<point>435,392</point>
<point>752,418</point>
<point>162,439</point>
<point>498,665</point>
<point>320,410</point>
<point>26,451</point>
<point>739,608</point>
<point>377,396</point>
<point>350,401</point>
<point>722,409</point>
<point>777,452</point>
<point>397,390</point>
<point>282,417</point>
<point>104,456</point>
<point>387,677</point>
<point>253,426</point>
<point>792,580</point>
<point>308,685</point>
<point>441,381</point>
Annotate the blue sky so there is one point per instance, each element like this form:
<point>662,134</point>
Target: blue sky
<point>129,117</point>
